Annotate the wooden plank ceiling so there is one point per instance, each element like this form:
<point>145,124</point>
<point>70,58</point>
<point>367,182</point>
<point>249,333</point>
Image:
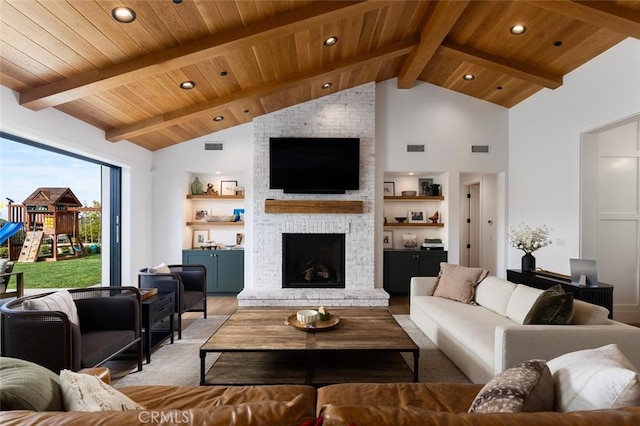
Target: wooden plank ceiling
<point>249,58</point>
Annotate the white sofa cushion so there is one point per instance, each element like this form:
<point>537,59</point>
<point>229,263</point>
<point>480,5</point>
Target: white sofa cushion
<point>589,314</point>
<point>471,325</point>
<point>494,293</point>
<point>594,379</point>
<point>521,302</point>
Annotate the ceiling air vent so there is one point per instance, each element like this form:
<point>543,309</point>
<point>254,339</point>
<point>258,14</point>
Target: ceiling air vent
<point>415,148</point>
<point>213,146</point>
<point>479,148</point>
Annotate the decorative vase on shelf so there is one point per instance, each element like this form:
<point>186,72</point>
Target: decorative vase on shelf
<point>528,263</point>
<point>196,187</point>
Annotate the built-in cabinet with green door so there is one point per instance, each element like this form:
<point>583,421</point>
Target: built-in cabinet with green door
<point>225,269</point>
<point>401,265</point>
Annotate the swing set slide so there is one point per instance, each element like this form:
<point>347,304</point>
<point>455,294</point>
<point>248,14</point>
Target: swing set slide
<point>8,230</point>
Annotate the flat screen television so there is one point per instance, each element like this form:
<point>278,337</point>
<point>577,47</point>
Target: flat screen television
<point>314,165</point>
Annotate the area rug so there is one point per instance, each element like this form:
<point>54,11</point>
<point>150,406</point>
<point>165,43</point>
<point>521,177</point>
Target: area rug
<point>178,364</point>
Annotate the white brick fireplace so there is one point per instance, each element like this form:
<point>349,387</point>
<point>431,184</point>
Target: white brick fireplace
<point>349,113</point>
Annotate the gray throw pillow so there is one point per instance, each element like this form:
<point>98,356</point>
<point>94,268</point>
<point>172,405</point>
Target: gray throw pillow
<point>554,307</point>
<point>527,387</point>
<point>28,386</point>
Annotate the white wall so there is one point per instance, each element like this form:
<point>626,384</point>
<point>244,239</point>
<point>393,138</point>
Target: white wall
<point>544,147</point>
<point>447,123</point>
<point>54,128</point>
<point>174,168</point>
<point>544,154</point>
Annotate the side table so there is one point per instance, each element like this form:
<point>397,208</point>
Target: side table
<point>155,309</point>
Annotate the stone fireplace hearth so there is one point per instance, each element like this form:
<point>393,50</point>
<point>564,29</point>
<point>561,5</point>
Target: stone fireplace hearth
<point>349,113</point>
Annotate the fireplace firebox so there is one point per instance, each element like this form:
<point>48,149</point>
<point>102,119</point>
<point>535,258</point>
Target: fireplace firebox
<point>313,260</point>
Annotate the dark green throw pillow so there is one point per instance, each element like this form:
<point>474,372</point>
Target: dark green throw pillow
<point>554,306</point>
<point>28,386</point>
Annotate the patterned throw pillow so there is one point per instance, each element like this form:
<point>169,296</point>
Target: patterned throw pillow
<point>458,282</point>
<point>84,392</point>
<point>527,387</point>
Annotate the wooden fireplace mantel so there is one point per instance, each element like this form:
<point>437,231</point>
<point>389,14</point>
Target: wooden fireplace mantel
<point>313,206</point>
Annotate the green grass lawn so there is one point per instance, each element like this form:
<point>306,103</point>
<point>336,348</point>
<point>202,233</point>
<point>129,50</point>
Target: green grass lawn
<point>71,273</point>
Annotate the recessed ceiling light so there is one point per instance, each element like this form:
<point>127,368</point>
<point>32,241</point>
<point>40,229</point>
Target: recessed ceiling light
<point>224,73</point>
<point>468,77</point>
<point>331,41</point>
<point>518,29</point>
<point>177,1</point>
<point>557,43</point>
<point>123,14</point>
<point>187,85</point>
<point>326,85</point>
<point>218,118</point>
<point>499,88</point>
<point>246,111</point>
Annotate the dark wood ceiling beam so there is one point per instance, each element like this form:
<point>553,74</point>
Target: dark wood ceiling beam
<point>605,14</point>
<point>208,108</point>
<point>477,57</point>
<point>443,18</point>
<point>200,50</point>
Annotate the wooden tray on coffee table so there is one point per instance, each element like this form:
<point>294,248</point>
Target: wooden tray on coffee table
<point>316,326</point>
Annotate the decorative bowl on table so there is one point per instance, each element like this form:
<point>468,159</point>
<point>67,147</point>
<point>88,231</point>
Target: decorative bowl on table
<point>409,193</point>
<point>401,219</point>
<point>307,316</point>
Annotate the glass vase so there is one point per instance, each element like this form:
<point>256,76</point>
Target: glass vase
<point>196,187</point>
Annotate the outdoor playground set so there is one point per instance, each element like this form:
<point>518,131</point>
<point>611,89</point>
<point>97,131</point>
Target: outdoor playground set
<point>48,213</point>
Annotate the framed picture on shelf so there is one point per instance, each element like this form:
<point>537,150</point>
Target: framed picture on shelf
<point>417,216</point>
<point>228,187</point>
<point>387,239</point>
<point>200,237</point>
<point>389,189</point>
<point>424,186</point>
<point>199,215</point>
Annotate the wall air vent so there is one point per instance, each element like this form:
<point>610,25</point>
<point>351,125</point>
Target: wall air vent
<point>213,146</point>
<point>480,148</point>
<point>415,148</point>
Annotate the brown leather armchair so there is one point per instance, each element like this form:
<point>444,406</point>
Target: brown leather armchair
<point>189,284</point>
<point>109,325</point>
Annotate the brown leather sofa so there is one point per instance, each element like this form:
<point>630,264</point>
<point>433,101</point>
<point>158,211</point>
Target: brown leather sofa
<point>342,404</point>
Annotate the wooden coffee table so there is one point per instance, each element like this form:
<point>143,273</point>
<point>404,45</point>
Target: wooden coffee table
<point>366,338</point>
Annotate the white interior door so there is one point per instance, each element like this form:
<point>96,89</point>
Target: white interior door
<point>610,226</point>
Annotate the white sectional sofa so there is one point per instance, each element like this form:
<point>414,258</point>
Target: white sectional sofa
<point>487,338</point>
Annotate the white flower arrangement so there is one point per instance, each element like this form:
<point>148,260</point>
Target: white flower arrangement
<point>529,239</point>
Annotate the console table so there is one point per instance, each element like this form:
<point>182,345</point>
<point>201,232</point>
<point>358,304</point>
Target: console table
<point>601,295</point>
